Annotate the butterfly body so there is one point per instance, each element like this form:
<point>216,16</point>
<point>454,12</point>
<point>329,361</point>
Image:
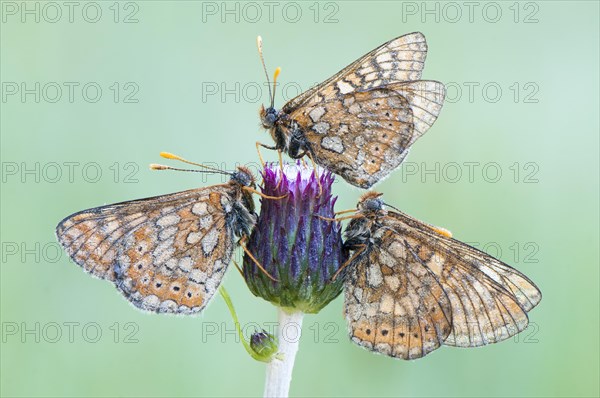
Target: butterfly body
<point>166,253</point>
<point>361,122</point>
<point>285,132</point>
<point>412,289</point>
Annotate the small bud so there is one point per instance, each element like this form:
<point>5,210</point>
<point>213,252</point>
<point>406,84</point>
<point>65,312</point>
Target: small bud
<point>264,345</point>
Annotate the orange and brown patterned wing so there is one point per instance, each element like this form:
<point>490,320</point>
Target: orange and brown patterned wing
<point>394,304</point>
<point>399,60</point>
<point>165,254</point>
<point>363,136</point>
<point>489,299</point>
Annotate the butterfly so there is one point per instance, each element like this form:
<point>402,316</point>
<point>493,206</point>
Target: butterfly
<point>411,287</point>
<point>167,253</point>
<point>361,122</point>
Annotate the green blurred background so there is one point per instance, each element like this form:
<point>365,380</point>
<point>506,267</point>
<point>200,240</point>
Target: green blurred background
<point>184,76</point>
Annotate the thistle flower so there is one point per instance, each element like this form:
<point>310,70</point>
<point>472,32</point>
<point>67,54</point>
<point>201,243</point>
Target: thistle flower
<point>294,243</point>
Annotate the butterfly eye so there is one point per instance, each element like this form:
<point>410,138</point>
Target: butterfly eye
<point>372,204</point>
<point>270,117</point>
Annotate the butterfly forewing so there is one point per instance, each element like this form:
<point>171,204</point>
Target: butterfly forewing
<point>399,60</point>
<point>165,254</point>
<point>510,280</point>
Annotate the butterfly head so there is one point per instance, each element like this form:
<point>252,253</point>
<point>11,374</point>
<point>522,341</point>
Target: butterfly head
<point>244,177</point>
<point>370,202</point>
<point>268,116</point>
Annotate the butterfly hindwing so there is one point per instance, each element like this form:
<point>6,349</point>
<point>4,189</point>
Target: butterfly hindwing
<point>363,136</point>
<point>165,254</point>
<point>394,304</point>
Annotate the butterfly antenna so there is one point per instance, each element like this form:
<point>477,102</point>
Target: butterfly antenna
<point>155,166</point>
<point>439,230</point>
<point>262,60</point>
<point>393,207</point>
<point>168,155</point>
<point>275,75</point>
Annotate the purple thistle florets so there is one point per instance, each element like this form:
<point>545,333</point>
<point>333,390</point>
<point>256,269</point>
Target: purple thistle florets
<point>294,243</point>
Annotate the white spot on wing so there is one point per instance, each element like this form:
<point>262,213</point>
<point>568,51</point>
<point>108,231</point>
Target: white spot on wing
<point>321,127</point>
<point>387,304</point>
<point>199,208</point>
<point>374,275</point>
<point>384,57</point>
<point>393,282</point>
<point>167,232</point>
<point>333,144</point>
<point>194,237</point>
<point>206,221</point>
<point>344,87</point>
<point>168,220</point>
<point>163,251</point>
<point>354,108</point>
<point>185,264</point>
<point>197,276</point>
<point>316,113</point>
<point>210,241</point>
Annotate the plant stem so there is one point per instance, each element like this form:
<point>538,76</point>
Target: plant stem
<point>236,321</point>
<point>279,372</point>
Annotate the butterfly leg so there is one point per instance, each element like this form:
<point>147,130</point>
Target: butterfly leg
<point>317,176</point>
<point>299,148</point>
<point>338,219</point>
<point>260,144</point>
<point>346,211</point>
<point>242,243</point>
<point>238,268</point>
<point>363,247</point>
<point>280,167</point>
<point>262,195</point>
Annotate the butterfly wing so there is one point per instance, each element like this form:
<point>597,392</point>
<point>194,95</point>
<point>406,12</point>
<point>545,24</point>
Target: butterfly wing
<point>165,254</point>
<point>364,135</point>
<point>394,304</point>
<point>489,299</point>
<point>399,60</point>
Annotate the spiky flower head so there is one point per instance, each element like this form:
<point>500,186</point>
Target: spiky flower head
<point>296,241</point>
